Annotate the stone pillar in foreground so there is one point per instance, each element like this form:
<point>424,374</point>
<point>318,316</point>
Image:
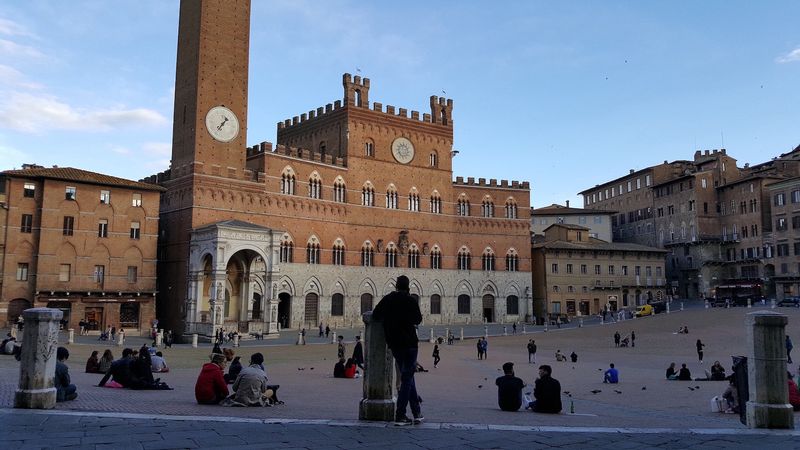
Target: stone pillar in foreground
<point>37,368</point>
<point>768,405</point>
<point>377,403</point>
<point>194,340</point>
<point>71,336</point>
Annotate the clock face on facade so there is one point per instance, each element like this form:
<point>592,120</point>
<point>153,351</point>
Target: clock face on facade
<point>222,124</point>
<point>403,150</point>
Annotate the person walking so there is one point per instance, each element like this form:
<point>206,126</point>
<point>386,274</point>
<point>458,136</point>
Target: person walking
<point>358,353</point>
<point>514,328</point>
<point>435,355</point>
<point>321,330</point>
<point>479,348</point>
<point>700,346</point>
<point>485,348</point>
<point>789,347</point>
<point>531,351</point>
<point>400,315</point>
<point>633,339</point>
<point>616,339</point>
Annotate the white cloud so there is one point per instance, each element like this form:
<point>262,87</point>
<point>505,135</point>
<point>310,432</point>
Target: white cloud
<point>11,77</point>
<point>13,158</point>
<point>10,48</point>
<point>38,113</point>
<point>792,56</point>
<point>11,28</point>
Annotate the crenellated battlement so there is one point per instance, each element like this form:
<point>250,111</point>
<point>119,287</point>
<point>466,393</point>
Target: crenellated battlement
<point>300,153</point>
<point>356,95</point>
<point>492,183</point>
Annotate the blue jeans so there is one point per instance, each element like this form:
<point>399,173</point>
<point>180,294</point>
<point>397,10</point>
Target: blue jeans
<point>406,359</point>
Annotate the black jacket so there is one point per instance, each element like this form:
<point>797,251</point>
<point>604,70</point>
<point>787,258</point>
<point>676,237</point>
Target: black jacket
<point>400,315</point>
<point>358,353</point>
<point>548,395</point>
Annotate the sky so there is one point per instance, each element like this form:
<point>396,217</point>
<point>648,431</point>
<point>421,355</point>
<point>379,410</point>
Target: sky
<point>563,94</point>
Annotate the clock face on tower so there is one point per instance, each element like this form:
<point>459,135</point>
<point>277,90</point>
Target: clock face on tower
<point>403,150</point>
<point>222,124</point>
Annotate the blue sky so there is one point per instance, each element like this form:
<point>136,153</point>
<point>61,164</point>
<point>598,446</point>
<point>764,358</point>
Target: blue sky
<point>563,94</point>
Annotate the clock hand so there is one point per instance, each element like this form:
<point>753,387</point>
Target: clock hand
<point>219,127</point>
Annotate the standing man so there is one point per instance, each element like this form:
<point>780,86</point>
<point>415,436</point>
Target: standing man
<point>400,316</point>
<point>789,348</point>
<point>616,339</point>
<point>633,339</point>
<point>321,330</point>
<point>531,351</point>
<point>358,353</point>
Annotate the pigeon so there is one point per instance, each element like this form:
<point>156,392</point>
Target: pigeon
<point>480,386</point>
<point>644,388</point>
<point>691,388</point>
<point>596,391</point>
<point>618,392</point>
<point>566,392</point>
<point>484,378</point>
<point>311,368</point>
<point>697,387</point>
<point>599,370</point>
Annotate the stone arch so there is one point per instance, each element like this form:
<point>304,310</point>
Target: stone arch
<point>286,285</point>
<point>464,287</point>
<point>313,285</point>
<point>415,287</point>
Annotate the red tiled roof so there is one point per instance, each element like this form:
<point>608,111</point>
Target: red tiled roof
<point>79,175</point>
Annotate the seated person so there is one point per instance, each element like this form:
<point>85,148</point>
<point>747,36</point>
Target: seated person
<point>611,375</point>
<point>234,370</point>
<point>559,356</point>
<point>626,341</point>
<point>731,396</point>
<point>105,361</point>
<point>250,387</point>
<point>338,369</point>
<point>717,372</point>
<point>350,369</point>
<point>684,374</point>
<point>93,364</point>
<point>6,349</point>
<point>509,389</point>
<point>672,374</point>
<point>157,363</point>
<point>547,392</point>
<point>120,370</point>
<point>211,388</point>
<point>574,357</point>
<point>65,391</point>
<point>141,372</point>
<point>420,368</point>
<point>794,394</point>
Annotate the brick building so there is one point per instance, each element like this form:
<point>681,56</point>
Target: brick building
<point>575,274</point>
<point>316,228</point>
<point>81,242</point>
<point>713,216</point>
<point>598,222</point>
<point>785,218</point>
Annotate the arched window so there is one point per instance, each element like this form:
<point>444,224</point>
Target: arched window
<point>337,305</point>
<point>463,304</point>
<point>511,209</point>
<point>323,147</point>
<point>436,203</point>
<point>391,197</point>
<point>413,200</point>
<point>313,251</point>
<point>368,195</point>
<point>512,305</point>
<point>366,302</point>
<point>337,258</point>
<point>315,186</point>
<point>487,207</point>
<point>367,254</point>
<point>391,255</point>
<point>434,159</point>
<point>369,149</point>
<point>487,260</point>
<point>512,261</point>
<point>287,181</point>
<point>287,249</point>
<point>464,262</point>
<point>436,258</point>
<point>413,257</point>
<point>436,304</point>
<point>339,191</point>
<point>463,206</point>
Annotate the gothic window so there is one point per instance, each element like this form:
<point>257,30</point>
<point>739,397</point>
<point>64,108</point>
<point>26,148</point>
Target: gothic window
<point>413,257</point>
<point>315,186</point>
<point>337,258</point>
<point>436,304</point>
<point>463,206</point>
<point>487,260</point>
<point>463,304</point>
<point>391,255</point>
<point>512,261</point>
<point>287,181</point>
<point>463,259</point>
<point>337,305</point>
<point>368,195</point>
<point>436,203</point>
<point>313,251</point>
<point>369,149</point>
<point>512,305</point>
<point>413,201</point>
<point>511,209</point>
<point>487,207</point>
<point>434,159</point>
<point>339,191</point>
<point>287,250</point>
<point>391,198</point>
<point>367,255</point>
<point>436,258</point>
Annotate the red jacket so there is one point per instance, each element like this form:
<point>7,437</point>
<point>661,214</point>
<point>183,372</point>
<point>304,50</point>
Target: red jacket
<point>350,371</point>
<point>794,395</point>
<point>211,386</point>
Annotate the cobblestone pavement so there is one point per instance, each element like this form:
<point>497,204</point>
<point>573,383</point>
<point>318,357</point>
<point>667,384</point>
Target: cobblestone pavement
<point>460,391</point>
<point>57,429</point>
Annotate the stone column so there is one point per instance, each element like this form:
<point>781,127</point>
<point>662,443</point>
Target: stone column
<point>333,337</point>
<point>766,371</point>
<point>194,340</point>
<point>236,340</point>
<point>432,338</point>
<point>273,327</point>
<point>462,334</point>
<point>377,403</point>
<point>37,369</point>
<point>159,338</point>
<point>120,339</point>
<point>71,336</point>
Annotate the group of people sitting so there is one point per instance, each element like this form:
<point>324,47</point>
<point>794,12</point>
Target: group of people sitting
<point>546,391</point>
<point>345,369</point>
<point>683,374</point>
<point>250,386</point>
<point>134,370</point>
<point>683,330</point>
<point>563,358</point>
<point>94,365</point>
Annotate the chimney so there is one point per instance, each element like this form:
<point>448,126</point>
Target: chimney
<point>567,203</point>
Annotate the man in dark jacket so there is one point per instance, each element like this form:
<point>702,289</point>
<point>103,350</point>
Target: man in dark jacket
<point>358,353</point>
<point>120,370</point>
<point>400,316</point>
<point>547,392</point>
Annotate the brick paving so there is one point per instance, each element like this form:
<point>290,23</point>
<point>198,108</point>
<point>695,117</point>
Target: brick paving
<point>461,390</point>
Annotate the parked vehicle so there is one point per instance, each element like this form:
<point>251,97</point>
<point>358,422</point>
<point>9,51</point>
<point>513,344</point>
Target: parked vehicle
<point>645,310</point>
<point>790,301</point>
